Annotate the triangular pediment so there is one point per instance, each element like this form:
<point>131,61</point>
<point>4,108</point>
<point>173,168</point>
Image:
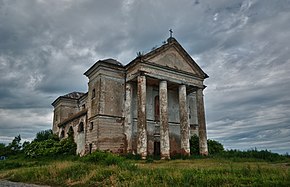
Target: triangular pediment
<point>173,56</point>
<point>172,59</point>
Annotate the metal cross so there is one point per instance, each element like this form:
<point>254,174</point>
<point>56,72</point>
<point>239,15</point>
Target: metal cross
<point>170,31</point>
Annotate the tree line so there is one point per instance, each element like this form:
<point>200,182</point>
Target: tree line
<point>47,144</point>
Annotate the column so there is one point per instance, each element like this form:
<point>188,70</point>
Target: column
<point>164,128</point>
<point>141,112</point>
<point>201,123</point>
<point>128,118</point>
<point>184,121</point>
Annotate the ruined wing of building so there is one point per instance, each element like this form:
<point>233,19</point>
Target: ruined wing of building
<point>151,106</point>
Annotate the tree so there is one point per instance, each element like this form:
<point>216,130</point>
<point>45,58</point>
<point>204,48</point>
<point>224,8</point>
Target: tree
<point>3,149</point>
<point>46,144</point>
<point>25,144</point>
<point>44,135</point>
<point>2,146</point>
<point>214,146</point>
<point>15,145</point>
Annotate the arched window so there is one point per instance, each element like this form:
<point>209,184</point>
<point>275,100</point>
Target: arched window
<point>70,132</point>
<point>62,134</point>
<point>156,108</point>
<point>81,127</point>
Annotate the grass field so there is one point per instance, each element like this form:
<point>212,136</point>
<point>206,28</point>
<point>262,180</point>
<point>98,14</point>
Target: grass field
<point>191,172</point>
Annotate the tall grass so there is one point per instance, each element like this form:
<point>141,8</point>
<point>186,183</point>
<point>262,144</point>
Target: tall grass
<point>106,169</point>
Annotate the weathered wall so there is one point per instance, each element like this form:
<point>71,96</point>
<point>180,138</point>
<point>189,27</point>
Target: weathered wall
<point>110,135</point>
<point>105,122</point>
<point>93,102</point>
<point>79,136</point>
<point>92,135</point>
<point>192,110</point>
<point>113,96</point>
<point>64,109</point>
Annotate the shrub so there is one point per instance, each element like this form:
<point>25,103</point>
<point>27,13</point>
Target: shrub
<point>132,156</point>
<point>149,159</point>
<point>95,157</point>
<point>45,135</point>
<point>67,147</point>
<point>113,159</point>
<point>194,145</point>
<point>104,158</point>
<point>46,145</point>
<point>3,150</point>
<point>214,147</point>
<point>12,149</point>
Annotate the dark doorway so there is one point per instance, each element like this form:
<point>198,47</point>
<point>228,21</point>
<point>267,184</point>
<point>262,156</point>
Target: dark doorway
<point>156,148</point>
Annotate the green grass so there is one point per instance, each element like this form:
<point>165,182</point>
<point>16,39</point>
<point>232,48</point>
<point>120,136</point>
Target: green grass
<point>116,171</point>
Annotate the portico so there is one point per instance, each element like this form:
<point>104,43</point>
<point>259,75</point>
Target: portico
<point>182,91</point>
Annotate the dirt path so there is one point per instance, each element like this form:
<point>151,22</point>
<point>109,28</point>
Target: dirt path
<point>4,183</point>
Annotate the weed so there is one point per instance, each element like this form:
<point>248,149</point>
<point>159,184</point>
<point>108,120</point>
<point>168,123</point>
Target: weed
<point>149,159</point>
<point>132,156</point>
<point>106,169</point>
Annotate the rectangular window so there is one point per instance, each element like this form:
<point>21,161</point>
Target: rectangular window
<point>91,126</point>
<point>93,93</point>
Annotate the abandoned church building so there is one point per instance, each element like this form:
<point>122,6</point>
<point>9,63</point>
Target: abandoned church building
<point>151,106</point>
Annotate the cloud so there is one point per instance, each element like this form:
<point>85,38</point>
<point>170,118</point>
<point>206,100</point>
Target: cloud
<point>46,46</point>
<point>26,122</point>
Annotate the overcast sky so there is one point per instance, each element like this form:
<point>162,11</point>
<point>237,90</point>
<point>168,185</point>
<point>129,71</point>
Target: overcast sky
<point>243,45</point>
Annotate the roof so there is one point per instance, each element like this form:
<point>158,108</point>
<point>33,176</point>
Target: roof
<point>108,61</point>
<point>72,95</point>
<point>112,61</point>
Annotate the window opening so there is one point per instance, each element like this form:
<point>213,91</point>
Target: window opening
<point>93,93</point>
<point>62,134</point>
<point>156,108</point>
<point>81,127</point>
<point>90,148</point>
<point>91,126</point>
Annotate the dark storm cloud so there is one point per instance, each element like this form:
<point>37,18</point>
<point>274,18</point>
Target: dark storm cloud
<point>247,100</point>
<point>45,46</point>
